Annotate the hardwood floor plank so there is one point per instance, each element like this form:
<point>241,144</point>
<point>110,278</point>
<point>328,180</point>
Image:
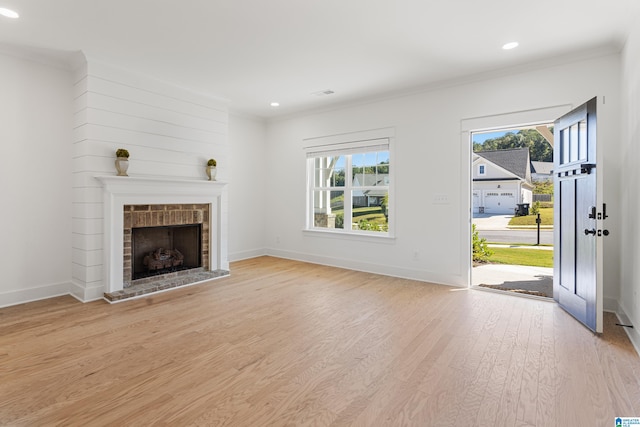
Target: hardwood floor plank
<point>527,403</point>
<point>548,373</point>
<point>284,343</point>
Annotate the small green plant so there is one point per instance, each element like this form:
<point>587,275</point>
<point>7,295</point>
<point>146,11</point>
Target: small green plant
<point>363,224</point>
<point>481,251</point>
<point>340,220</point>
<point>121,152</point>
<point>212,162</point>
<point>535,209</point>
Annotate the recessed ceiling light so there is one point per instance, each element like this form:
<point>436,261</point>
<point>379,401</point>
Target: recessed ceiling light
<point>275,104</point>
<point>9,13</point>
<point>510,45</point>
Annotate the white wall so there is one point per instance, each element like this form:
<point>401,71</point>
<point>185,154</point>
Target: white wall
<point>169,132</point>
<point>629,236</point>
<point>35,177</point>
<point>430,161</point>
<point>249,187</point>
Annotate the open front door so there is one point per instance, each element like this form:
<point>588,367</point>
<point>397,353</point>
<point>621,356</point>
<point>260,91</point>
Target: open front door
<point>579,215</point>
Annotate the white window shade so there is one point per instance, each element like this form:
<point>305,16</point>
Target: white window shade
<point>349,143</point>
<point>348,148</point>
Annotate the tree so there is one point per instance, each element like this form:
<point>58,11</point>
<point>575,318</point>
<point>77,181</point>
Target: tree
<point>539,148</point>
<point>543,187</point>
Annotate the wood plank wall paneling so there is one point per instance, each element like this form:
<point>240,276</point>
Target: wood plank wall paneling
<point>169,131</point>
<point>288,343</point>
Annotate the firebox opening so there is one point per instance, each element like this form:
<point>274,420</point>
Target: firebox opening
<point>162,250</point>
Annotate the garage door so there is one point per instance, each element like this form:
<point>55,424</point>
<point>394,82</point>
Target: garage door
<point>503,202</point>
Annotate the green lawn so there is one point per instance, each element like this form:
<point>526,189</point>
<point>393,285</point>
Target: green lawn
<point>546,215</point>
<point>371,214</point>
<point>519,256</point>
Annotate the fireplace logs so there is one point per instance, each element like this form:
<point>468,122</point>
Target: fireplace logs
<point>163,258</point>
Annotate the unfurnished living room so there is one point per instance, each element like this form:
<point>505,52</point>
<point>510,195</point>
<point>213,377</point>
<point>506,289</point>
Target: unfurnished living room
<point>260,213</point>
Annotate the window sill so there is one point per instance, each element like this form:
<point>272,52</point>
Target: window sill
<point>346,235</point>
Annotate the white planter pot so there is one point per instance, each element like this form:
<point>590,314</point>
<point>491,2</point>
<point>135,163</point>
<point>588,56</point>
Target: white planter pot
<point>211,172</point>
<point>122,165</point>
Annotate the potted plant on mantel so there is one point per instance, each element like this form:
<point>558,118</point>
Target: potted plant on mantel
<point>122,161</point>
<point>211,169</point>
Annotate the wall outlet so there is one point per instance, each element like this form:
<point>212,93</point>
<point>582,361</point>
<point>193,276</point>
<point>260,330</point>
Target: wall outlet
<point>441,199</point>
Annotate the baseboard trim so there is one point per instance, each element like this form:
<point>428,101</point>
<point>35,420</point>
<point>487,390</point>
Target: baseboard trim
<point>83,294</point>
<point>632,333</point>
<point>23,296</point>
<point>385,270</point>
<point>240,256</point>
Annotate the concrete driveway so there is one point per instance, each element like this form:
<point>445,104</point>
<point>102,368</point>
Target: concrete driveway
<point>491,221</point>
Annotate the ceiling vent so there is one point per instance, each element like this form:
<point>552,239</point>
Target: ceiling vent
<point>323,92</point>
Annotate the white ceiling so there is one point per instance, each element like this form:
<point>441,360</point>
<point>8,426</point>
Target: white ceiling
<point>253,52</point>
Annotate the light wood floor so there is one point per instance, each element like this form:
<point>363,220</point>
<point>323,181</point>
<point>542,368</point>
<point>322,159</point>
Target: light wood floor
<point>288,343</point>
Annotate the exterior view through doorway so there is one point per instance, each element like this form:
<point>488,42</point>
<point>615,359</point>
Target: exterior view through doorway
<point>512,211</point>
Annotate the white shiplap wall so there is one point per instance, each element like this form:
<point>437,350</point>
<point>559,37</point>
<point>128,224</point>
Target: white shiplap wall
<point>169,132</point>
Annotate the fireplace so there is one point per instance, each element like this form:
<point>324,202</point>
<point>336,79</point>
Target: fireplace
<point>159,240</point>
<point>162,250</point>
<point>172,206</point>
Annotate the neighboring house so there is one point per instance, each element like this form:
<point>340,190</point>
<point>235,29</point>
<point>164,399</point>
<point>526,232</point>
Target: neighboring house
<point>370,197</point>
<point>501,180</point>
<point>541,171</point>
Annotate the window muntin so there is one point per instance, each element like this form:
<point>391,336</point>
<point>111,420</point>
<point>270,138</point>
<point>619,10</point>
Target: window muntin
<point>350,192</point>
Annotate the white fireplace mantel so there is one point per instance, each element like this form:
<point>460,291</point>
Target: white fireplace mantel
<point>130,190</point>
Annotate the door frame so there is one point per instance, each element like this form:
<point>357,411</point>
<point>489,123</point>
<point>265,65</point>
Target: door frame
<point>532,117</point>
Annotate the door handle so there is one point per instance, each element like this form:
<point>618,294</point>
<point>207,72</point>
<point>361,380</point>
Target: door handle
<point>587,231</point>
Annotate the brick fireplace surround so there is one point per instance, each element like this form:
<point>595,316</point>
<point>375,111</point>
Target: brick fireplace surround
<point>136,216</point>
<point>131,202</point>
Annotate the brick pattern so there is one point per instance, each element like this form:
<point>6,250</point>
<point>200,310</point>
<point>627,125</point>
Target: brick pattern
<point>165,282</point>
<point>136,216</point>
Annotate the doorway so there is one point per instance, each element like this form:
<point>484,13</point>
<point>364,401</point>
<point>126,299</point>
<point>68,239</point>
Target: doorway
<point>513,209</point>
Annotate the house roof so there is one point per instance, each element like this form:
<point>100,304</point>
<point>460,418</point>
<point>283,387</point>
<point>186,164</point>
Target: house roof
<point>545,168</point>
<point>514,160</point>
<point>371,179</point>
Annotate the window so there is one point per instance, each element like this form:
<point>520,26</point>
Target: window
<point>481,170</point>
<point>349,187</point>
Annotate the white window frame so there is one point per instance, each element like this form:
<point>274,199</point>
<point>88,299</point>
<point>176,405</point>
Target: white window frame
<point>347,145</point>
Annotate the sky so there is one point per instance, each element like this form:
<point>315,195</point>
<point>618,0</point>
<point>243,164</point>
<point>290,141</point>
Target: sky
<point>482,137</point>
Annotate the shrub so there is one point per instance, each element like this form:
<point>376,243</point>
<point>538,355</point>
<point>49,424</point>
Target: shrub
<point>535,209</point>
<point>339,220</point>
<point>481,251</point>
<point>363,224</point>
<point>121,152</point>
